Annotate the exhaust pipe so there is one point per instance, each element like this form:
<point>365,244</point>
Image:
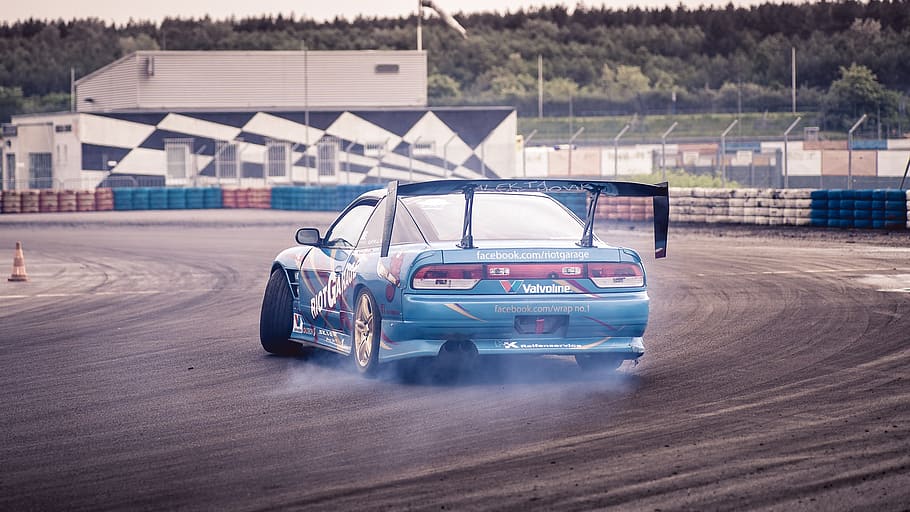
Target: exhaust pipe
<point>455,356</point>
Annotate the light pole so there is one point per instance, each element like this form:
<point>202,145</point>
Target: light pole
<point>411,159</point>
<point>445,156</point>
<point>663,150</point>
<point>723,153</point>
<point>786,154</point>
<point>616,149</point>
<point>850,151</point>
<point>347,157</point>
<point>382,151</point>
<point>446,17</point>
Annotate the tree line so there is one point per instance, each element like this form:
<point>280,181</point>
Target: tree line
<point>596,60</point>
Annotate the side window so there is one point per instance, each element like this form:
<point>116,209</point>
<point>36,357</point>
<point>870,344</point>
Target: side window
<point>346,230</point>
<point>404,231</point>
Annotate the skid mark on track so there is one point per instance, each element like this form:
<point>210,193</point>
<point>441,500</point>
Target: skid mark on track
<point>101,294</point>
<point>805,271</point>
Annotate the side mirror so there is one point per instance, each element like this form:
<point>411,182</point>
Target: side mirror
<point>308,236</point>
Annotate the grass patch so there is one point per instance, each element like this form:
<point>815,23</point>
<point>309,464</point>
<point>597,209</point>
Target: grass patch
<point>681,178</point>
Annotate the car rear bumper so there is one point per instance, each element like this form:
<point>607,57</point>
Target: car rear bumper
<point>496,324</point>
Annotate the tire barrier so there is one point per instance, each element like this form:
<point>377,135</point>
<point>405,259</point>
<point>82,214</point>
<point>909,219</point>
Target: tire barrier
<point>85,200</point>
<point>104,199</point>
<point>317,198</point>
<point>211,198</point>
<point>66,201</point>
<point>47,201</point>
<point>259,198</point>
<point>141,198</point>
<point>176,198</point>
<point>243,197</point>
<point>228,198</point>
<point>195,198</point>
<point>876,209</point>
<point>12,201</point>
<point>30,201</point>
<point>836,208</point>
<point>636,209</point>
<point>763,207</point>
<point>123,198</point>
<point>157,198</point>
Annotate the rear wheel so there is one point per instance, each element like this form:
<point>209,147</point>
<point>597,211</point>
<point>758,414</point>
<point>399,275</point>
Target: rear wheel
<point>276,317</point>
<point>599,362</point>
<point>365,351</point>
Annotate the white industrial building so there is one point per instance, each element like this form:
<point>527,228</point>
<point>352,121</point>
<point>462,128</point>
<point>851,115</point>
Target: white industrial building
<point>200,117</point>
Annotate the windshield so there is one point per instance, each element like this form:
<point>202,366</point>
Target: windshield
<point>496,217</point>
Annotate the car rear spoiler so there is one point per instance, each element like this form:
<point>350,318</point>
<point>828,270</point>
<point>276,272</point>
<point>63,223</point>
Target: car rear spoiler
<point>595,189</point>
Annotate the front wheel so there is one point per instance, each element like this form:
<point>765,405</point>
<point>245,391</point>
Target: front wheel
<point>276,317</point>
<point>599,362</point>
<point>365,351</point>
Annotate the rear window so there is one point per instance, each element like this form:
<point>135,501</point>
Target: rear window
<point>496,217</point>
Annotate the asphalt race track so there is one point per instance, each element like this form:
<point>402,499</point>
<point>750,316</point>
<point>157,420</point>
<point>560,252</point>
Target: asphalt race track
<point>131,377</point>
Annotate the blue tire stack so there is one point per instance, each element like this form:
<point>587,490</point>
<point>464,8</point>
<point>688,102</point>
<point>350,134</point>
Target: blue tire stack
<point>123,198</point>
<point>141,198</point>
<point>195,198</point>
<point>862,209</point>
<point>299,198</point>
<point>818,216</point>
<point>176,198</point>
<point>211,198</point>
<point>281,198</point>
<point>158,198</point>
<point>889,209</point>
<point>840,208</point>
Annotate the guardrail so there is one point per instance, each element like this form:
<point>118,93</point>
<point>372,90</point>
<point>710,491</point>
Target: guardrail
<point>863,209</point>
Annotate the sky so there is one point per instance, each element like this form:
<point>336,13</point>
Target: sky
<point>120,11</point>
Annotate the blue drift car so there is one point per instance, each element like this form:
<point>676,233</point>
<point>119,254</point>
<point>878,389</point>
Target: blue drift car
<point>462,269</point>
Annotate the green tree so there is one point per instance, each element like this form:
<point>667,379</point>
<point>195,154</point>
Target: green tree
<point>442,87</point>
<point>855,93</point>
<point>10,102</point>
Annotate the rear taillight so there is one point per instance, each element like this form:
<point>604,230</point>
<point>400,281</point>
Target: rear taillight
<point>616,275</point>
<point>465,276</point>
<point>447,277</point>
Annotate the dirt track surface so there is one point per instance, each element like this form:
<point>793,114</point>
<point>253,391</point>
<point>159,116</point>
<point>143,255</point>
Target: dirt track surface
<point>777,376</point>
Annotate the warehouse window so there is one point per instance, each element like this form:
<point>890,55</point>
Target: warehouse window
<point>374,149</point>
<point>423,148</point>
<point>10,182</point>
<point>226,160</point>
<point>178,153</point>
<point>277,158</point>
<point>327,156</point>
<point>40,170</point>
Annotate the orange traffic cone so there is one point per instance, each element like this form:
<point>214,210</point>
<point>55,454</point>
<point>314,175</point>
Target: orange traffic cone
<point>18,265</point>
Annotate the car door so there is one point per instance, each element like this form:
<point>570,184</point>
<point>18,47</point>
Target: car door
<point>323,280</point>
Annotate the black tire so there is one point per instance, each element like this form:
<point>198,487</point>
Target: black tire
<point>599,362</point>
<point>366,334</point>
<point>276,318</point>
